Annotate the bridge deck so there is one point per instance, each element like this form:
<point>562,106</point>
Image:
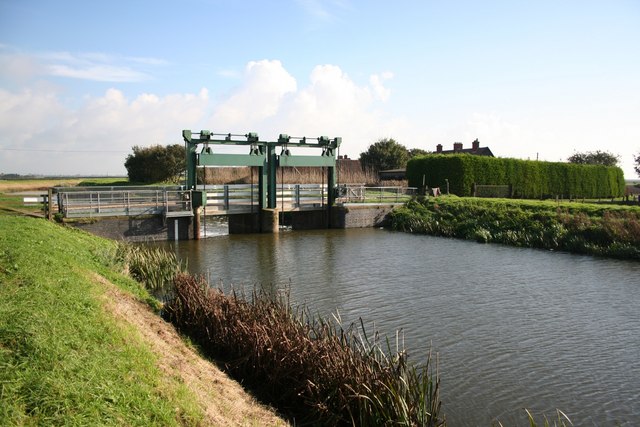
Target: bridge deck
<point>219,199</point>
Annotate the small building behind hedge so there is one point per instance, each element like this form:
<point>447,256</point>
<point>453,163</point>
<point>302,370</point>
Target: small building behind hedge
<point>527,178</point>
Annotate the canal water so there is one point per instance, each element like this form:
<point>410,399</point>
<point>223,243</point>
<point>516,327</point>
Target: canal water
<point>513,328</point>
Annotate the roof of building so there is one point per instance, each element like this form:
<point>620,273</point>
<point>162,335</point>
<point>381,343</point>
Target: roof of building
<point>481,151</point>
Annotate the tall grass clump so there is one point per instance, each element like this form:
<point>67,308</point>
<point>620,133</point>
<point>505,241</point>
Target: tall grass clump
<point>155,268</point>
<point>311,369</point>
<point>578,228</point>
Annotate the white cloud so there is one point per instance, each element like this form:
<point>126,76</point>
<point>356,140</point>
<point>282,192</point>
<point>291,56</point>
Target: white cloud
<point>100,73</point>
<point>376,81</point>
<point>94,138</point>
<point>94,66</point>
<point>264,86</point>
<point>98,66</point>
<point>268,100</point>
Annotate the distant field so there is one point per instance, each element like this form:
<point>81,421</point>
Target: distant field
<point>13,185</point>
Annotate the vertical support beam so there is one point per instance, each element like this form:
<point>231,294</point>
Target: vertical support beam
<point>331,193</point>
<point>226,197</point>
<point>331,184</point>
<point>272,165</point>
<point>190,150</point>
<point>262,187</point>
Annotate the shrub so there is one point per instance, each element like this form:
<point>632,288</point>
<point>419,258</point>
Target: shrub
<point>528,179</point>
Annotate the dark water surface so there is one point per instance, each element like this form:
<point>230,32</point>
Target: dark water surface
<point>513,328</point>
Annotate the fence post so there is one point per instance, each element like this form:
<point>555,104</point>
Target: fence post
<point>226,197</point>
<point>49,204</point>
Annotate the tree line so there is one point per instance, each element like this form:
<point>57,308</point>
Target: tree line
<point>158,163</point>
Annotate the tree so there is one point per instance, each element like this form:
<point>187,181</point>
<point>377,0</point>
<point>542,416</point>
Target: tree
<point>594,158</point>
<point>384,154</point>
<point>414,152</point>
<point>156,163</point>
<point>636,159</point>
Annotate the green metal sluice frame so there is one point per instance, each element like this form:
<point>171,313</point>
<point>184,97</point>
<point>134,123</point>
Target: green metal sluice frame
<point>263,155</point>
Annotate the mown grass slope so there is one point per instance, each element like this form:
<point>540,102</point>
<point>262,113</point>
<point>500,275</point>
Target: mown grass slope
<point>66,359</point>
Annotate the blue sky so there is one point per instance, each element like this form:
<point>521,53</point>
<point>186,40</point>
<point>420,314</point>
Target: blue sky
<point>82,82</point>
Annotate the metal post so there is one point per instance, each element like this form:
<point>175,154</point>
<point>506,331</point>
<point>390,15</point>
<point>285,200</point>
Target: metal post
<point>50,204</point>
<point>190,150</point>
<point>272,164</point>
<point>331,183</point>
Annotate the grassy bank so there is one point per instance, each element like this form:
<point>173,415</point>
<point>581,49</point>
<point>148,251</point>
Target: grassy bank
<point>603,230</point>
<point>65,357</point>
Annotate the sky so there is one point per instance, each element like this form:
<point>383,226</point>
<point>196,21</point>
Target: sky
<point>83,82</point>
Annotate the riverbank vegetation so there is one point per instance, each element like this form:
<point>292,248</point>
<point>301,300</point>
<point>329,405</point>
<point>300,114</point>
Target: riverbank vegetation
<point>71,352</point>
<point>594,229</point>
<point>309,368</point>
<point>80,345</point>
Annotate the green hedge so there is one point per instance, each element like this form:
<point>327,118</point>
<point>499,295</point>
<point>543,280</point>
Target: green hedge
<point>528,178</point>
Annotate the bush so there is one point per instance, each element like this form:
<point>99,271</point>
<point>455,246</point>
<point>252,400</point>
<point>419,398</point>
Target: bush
<point>528,179</point>
<point>156,163</point>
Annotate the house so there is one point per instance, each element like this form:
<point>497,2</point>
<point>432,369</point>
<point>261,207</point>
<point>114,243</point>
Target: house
<point>400,174</point>
<point>457,149</point>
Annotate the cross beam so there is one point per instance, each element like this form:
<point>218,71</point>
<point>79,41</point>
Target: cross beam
<point>263,155</point>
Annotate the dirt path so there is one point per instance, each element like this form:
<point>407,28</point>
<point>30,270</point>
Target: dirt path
<point>224,401</point>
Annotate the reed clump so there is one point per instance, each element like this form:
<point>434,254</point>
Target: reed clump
<point>311,369</point>
<point>155,268</point>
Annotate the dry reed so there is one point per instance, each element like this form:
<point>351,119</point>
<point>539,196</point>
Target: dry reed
<point>311,369</point>
<point>346,174</point>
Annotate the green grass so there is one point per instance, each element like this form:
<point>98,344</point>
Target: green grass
<point>594,229</point>
<point>12,203</point>
<point>63,359</point>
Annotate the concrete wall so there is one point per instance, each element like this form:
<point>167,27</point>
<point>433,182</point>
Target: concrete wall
<point>137,229</point>
<point>265,221</point>
<point>361,216</point>
<point>140,229</point>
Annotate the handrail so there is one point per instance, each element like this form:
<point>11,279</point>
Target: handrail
<point>219,199</point>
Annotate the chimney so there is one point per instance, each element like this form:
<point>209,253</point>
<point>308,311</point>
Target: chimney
<point>475,145</point>
<point>457,147</point>
<point>439,148</point>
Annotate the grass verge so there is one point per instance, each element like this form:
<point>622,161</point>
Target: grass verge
<point>63,360</point>
<point>68,357</point>
<point>611,231</point>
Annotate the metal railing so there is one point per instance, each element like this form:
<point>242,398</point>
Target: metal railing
<point>244,198</point>
<point>363,194</point>
<point>220,199</point>
<point>77,204</point>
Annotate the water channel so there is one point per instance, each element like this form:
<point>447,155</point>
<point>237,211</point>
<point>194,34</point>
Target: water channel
<point>513,328</point>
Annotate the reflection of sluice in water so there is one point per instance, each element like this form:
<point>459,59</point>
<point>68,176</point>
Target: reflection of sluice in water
<point>211,226</point>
